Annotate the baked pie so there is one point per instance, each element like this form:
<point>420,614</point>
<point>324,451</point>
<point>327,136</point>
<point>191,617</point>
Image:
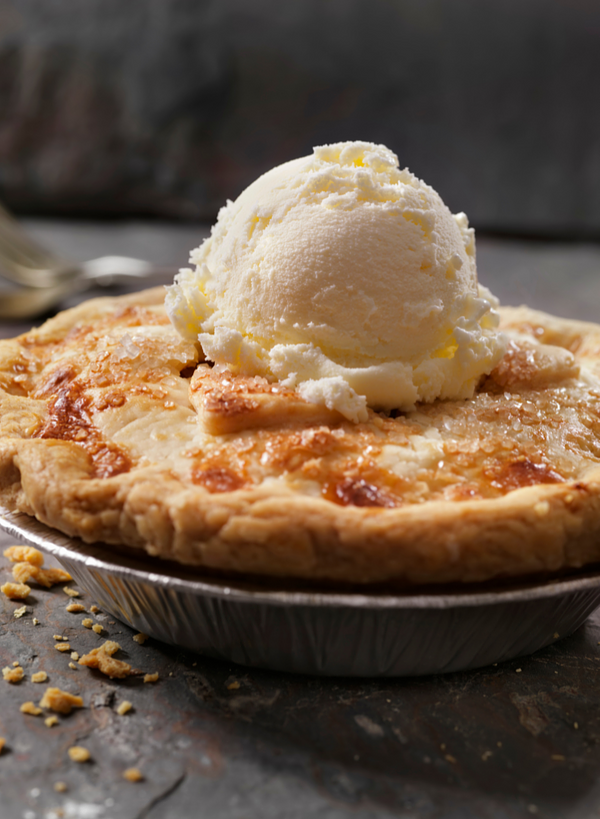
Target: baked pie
<point>114,428</point>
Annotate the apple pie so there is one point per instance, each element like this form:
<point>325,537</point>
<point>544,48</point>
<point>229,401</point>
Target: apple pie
<point>114,429</point>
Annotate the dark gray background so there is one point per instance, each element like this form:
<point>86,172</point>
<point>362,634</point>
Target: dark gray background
<point>168,107</point>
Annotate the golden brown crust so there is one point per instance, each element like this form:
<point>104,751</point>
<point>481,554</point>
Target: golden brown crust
<point>113,430</point>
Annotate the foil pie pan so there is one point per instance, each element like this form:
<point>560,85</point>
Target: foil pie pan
<point>320,632</point>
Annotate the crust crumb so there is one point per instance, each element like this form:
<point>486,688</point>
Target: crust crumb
<point>124,708</point>
<point>94,609</point>
<point>79,754</point>
<point>150,678</point>
<point>30,708</point>
<point>97,628</point>
<point>102,659</point>
<point>87,623</point>
<point>17,613</point>
<point>60,787</point>
<point>13,675</point>
<point>18,554</point>
<point>51,721</point>
<point>59,637</point>
<point>50,577</point>
<point>35,621</point>
<point>133,775</point>
<point>60,701</point>
<point>140,638</point>
<point>15,591</point>
<point>74,655</point>
<point>71,592</point>
<point>62,646</point>
<point>73,666</point>
<point>2,743</point>
<point>74,608</point>
<point>39,677</point>
<point>26,572</point>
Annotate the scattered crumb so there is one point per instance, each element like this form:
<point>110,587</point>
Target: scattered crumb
<point>499,744</point>
<point>87,623</point>
<point>73,666</point>
<point>74,608</point>
<point>39,677</point>
<point>71,592</point>
<point>140,638</point>
<point>50,721</point>
<point>24,572</point>
<point>60,701</point>
<point>148,678</point>
<point>17,554</point>
<point>79,754</point>
<point>19,612</point>
<point>443,746</point>
<point>170,673</point>
<point>556,635</point>
<point>74,655</point>
<point>2,743</point>
<point>62,646</point>
<point>576,725</point>
<point>102,659</point>
<point>60,787</point>
<point>15,591</point>
<point>94,609</point>
<point>233,686</point>
<point>16,664</point>
<point>59,637</point>
<point>124,707</point>
<point>518,670</point>
<point>50,577</point>
<point>36,622</point>
<point>13,675</point>
<point>195,664</point>
<point>97,628</point>
<point>486,755</point>
<point>558,757</point>
<point>30,708</point>
<point>532,808</point>
<point>450,758</point>
<point>133,775</point>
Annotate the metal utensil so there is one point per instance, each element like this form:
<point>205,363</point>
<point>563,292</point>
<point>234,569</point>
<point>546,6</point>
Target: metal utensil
<point>45,279</point>
<point>107,271</point>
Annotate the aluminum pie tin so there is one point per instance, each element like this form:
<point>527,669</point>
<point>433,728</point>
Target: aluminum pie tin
<point>314,632</point>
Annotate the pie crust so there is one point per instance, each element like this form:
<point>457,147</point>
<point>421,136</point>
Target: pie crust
<point>113,429</point>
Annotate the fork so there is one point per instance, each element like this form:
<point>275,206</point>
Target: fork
<point>46,279</point>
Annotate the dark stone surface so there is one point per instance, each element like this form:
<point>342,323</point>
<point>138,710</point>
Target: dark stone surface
<point>171,106</point>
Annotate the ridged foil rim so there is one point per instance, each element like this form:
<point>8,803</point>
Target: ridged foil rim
<point>103,558</point>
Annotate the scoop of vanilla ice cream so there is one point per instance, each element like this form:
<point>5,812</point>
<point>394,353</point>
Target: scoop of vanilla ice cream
<point>347,278</point>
